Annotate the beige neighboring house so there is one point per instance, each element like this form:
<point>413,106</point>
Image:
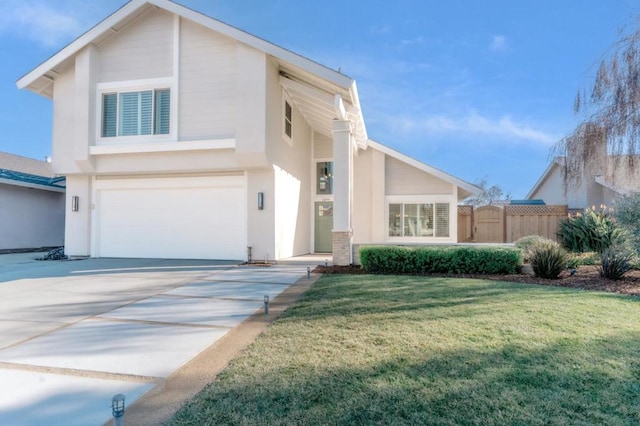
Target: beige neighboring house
<point>31,204</point>
<point>184,137</point>
<point>604,177</point>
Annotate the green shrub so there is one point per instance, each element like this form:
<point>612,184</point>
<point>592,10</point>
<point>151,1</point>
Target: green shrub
<point>548,259</point>
<point>616,262</point>
<point>443,260</point>
<point>591,231</point>
<point>627,213</point>
<point>581,259</point>
<point>525,244</point>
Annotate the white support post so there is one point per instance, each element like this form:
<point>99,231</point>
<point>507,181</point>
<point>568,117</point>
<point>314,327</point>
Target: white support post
<point>342,191</point>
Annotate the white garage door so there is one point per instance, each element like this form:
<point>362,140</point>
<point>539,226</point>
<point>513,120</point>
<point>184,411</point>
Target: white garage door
<point>171,218</point>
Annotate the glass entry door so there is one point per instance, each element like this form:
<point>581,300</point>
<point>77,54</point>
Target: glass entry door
<point>323,226</point>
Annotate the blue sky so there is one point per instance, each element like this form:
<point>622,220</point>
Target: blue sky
<point>479,89</point>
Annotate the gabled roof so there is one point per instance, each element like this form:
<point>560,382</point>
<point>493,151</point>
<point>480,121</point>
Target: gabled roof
<point>624,184</point>
<point>40,79</point>
<point>468,188</point>
<point>18,163</point>
<point>602,180</point>
<point>557,162</point>
<point>28,172</point>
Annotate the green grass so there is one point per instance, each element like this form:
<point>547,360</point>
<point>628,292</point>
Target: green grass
<point>359,350</point>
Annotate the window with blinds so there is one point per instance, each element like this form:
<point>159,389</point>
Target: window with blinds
<point>146,112</point>
<point>419,220</point>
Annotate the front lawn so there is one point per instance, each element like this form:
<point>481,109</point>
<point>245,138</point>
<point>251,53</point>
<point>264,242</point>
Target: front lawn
<point>361,349</point>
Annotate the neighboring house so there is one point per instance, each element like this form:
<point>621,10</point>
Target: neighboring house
<point>603,178</point>
<point>31,204</point>
<point>184,137</point>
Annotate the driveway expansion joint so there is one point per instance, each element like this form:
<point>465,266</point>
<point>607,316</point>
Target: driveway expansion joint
<point>160,323</point>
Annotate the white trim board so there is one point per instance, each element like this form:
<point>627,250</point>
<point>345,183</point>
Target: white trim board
<point>137,148</point>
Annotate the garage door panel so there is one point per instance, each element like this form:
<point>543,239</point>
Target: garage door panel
<point>188,222</point>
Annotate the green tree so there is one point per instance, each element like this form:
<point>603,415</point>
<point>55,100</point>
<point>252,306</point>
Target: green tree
<point>488,196</point>
<point>609,109</point>
<point>627,213</point>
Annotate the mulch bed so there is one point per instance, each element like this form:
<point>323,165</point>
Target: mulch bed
<point>586,277</point>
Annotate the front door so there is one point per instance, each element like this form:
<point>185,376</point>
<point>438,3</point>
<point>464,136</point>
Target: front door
<point>323,226</point>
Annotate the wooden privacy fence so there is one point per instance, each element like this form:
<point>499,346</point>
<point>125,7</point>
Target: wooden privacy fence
<point>465,223</point>
<point>492,224</point>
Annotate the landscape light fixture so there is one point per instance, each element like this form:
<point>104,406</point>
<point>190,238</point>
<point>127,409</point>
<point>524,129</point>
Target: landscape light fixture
<point>266,304</point>
<point>117,409</point>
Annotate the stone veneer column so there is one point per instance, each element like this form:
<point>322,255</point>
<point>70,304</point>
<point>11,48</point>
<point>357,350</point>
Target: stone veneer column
<point>342,192</point>
<point>342,248</point>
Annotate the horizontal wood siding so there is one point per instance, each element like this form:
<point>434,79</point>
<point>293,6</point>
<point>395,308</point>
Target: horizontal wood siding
<point>142,50</point>
<point>322,146</point>
<point>207,84</point>
<point>403,179</point>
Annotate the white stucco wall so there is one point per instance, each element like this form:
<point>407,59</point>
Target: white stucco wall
<point>379,178</point>
<point>251,118</point>
<point>260,223</point>
<point>77,231</point>
<point>168,162</point>
<point>552,191</point>
<point>30,218</point>
<point>63,156</point>
<point>292,172</point>
<point>364,179</point>
<point>322,146</point>
<point>369,197</point>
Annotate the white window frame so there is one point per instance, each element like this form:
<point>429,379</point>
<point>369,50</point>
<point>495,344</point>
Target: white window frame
<point>286,100</point>
<point>422,199</point>
<point>137,86</point>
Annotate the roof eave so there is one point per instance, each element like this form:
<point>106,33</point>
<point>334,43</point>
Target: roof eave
<point>41,70</point>
<point>32,185</point>
<point>362,139</point>
<point>601,180</point>
<point>28,80</point>
<point>555,163</point>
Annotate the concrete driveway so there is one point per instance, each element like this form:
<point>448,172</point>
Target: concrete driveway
<point>74,333</point>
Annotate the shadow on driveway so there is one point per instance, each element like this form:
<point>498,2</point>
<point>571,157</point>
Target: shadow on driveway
<point>29,268</point>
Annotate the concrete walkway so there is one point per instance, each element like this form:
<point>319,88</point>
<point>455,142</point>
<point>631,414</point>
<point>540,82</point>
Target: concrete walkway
<point>75,333</point>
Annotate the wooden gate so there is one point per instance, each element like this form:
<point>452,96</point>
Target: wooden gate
<point>489,224</point>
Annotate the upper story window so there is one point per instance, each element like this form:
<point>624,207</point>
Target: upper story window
<point>288,120</point>
<point>146,112</point>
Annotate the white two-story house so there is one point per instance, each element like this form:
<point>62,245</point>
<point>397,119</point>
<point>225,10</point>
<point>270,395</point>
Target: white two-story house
<point>184,137</point>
